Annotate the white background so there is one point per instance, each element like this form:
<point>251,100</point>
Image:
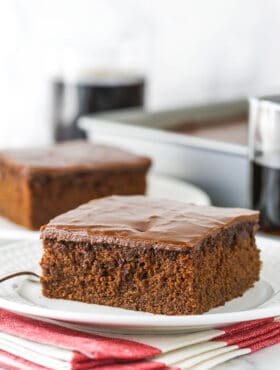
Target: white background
<point>194,51</point>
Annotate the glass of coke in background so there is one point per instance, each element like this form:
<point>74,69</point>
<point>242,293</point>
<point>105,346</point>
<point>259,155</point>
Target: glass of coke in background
<point>101,67</point>
<point>105,73</point>
<point>264,154</point>
<point>92,91</point>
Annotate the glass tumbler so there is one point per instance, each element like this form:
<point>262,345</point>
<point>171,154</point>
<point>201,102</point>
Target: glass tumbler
<point>264,155</point>
<point>92,83</point>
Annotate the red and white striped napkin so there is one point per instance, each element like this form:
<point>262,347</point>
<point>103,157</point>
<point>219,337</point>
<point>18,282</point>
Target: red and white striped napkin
<point>27,343</point>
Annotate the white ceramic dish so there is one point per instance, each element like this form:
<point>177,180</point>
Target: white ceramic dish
<point>158,187</point>
<point>24,296</point>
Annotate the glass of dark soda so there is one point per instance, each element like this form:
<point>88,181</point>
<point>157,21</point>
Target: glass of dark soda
<point>264,154</point>
<point>91,93</point>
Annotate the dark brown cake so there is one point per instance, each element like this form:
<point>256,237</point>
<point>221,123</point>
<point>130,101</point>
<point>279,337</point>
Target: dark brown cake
<point>38,184</point>
<point>159,256</point>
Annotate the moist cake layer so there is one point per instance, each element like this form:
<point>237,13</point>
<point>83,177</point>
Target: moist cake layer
<point>38,184</point>
<point>156,256</point>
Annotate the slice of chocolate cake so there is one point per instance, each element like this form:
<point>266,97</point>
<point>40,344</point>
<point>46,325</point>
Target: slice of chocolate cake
<point>39,184</point>
<point>159,256</point>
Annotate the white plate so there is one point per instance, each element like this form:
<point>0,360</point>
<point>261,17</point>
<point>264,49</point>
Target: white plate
<point>158,187</point>
<point>24,296</point>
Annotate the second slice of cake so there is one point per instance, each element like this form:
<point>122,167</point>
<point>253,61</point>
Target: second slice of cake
<point>39,184</point>
<point>158,256</point>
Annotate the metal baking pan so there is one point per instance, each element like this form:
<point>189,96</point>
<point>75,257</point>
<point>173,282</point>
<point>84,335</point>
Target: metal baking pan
<point>218,167</point>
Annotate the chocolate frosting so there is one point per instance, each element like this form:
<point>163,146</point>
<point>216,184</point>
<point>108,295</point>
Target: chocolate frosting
<point>138,221</point>
<point>72,156</point>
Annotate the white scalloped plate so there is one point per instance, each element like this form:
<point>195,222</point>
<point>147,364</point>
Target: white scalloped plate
<point>24,296</point>
<point>158,187</point>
